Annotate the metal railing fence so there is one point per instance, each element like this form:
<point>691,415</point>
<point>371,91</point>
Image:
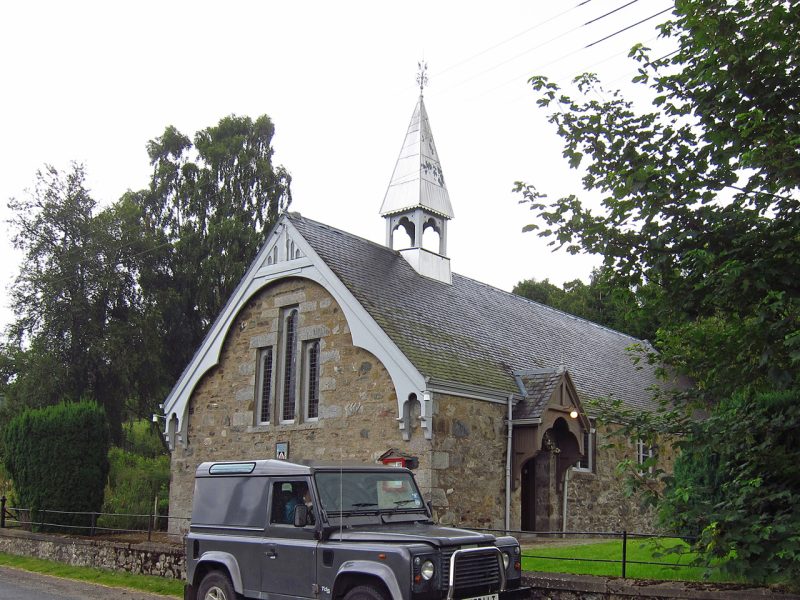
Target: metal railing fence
<point>624,536</point>
<point>31,520</point>
<point>94,523</point>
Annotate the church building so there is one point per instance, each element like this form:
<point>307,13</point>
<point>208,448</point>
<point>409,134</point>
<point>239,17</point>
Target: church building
<point>335,348</point>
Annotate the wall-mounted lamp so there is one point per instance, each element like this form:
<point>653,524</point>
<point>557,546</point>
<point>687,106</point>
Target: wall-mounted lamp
<point>573,414</point>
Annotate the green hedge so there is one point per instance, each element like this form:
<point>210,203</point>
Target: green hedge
<point>58,459</point>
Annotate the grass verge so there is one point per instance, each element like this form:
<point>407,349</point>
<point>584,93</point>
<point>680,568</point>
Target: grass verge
<point>648,550</point>
<point>143,583</point>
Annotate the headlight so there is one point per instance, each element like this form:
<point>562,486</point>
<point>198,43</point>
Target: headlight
<point>427,570</point>
<point>506,559</point>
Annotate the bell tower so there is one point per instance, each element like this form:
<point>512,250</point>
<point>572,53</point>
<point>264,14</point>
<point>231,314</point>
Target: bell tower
<point>417,198</point>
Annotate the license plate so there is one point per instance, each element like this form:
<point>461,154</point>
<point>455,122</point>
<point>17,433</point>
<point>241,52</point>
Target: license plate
<point>486,597</point>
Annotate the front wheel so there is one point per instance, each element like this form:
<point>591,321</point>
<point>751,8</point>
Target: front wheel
<point>366,592</point>
<point>216,586</point>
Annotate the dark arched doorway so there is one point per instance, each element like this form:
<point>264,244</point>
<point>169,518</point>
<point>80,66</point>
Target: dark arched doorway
<point>542,478</point>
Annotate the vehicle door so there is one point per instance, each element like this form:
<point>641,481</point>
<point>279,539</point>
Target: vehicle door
<point>289,553</point>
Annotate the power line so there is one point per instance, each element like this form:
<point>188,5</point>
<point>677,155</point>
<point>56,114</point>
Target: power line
<point>552,40</point>
<point>513,37</point>
<point>558,59</point>
<point>667,55</point>
<point>628,27</point>
<point>611,12</point>
<point>516,56</point>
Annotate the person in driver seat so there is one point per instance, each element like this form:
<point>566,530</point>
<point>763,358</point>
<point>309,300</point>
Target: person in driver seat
<point>301,495</point>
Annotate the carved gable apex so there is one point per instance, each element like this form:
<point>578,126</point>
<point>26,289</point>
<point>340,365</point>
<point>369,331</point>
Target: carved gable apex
<point>282,246</point>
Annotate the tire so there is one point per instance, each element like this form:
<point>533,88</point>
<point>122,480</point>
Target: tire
<point>366,592</point>
<point>216,586</point>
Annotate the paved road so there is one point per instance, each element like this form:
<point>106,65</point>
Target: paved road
<point>16,584</point>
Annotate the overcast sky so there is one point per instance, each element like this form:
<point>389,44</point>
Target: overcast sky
<point>93,82</point>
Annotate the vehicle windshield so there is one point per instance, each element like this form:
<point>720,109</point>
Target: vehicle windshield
<point>353,492</point>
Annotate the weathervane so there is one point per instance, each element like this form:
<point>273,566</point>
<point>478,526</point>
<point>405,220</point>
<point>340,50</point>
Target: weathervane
<point>422,75</point>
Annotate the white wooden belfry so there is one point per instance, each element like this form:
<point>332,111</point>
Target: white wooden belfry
<point>417,199</point>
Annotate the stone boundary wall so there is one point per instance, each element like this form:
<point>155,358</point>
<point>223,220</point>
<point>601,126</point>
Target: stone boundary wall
<point>143,558</point>
<point>167,560</point>
<point>558,586</point>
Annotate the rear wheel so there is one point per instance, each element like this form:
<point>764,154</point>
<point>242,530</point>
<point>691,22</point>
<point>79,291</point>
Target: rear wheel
<point>366,592</point>
<point>216,586</point>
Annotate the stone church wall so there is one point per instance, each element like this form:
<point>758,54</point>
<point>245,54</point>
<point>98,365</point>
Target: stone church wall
<point>468,462</point>
<point>357,409</point>
<point>596,501</point>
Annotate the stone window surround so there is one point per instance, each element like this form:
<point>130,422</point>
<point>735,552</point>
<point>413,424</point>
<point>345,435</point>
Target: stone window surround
<point>304,338</point>
<point>285,427</point>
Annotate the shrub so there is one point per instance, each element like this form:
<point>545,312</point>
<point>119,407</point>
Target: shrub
<point>58,459</point>
<point>742,496</point>
<point>134,481</point>
<point>142,438</point>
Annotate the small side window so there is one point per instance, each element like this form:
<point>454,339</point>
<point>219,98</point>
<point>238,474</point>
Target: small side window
<point>644,452</point>
<point>587,461</point>
<point>286,496</point>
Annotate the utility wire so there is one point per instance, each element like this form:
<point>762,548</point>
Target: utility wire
<point>628,27</point>
<point>558,59</point>
<point>516,56</point>
<point>554,39</point>
<point>667,55</point>
<point>611,12</point>
<point>505,41</point>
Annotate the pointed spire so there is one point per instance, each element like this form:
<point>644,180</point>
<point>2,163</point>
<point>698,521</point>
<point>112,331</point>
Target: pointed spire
<point>417,181</point>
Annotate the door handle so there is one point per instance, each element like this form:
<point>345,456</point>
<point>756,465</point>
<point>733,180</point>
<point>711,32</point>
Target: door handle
<point>272,551</point>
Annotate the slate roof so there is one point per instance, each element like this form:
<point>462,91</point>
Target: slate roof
<point>539,387</point>
<point>472,334</point>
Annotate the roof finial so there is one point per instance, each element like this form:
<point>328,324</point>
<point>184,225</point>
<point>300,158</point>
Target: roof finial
<point>422,75</point>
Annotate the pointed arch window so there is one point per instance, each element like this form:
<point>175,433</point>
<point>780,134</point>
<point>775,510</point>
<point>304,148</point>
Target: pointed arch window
<point>289,384</point>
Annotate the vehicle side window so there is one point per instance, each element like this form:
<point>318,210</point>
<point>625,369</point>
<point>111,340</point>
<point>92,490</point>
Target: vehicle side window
<point>286,495</point>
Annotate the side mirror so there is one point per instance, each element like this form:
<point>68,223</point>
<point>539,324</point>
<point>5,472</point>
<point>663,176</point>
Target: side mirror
<point>300,515</point>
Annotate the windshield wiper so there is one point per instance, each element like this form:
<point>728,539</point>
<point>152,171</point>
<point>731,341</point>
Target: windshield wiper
<point>401,502</point>
<point>355,509</point>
